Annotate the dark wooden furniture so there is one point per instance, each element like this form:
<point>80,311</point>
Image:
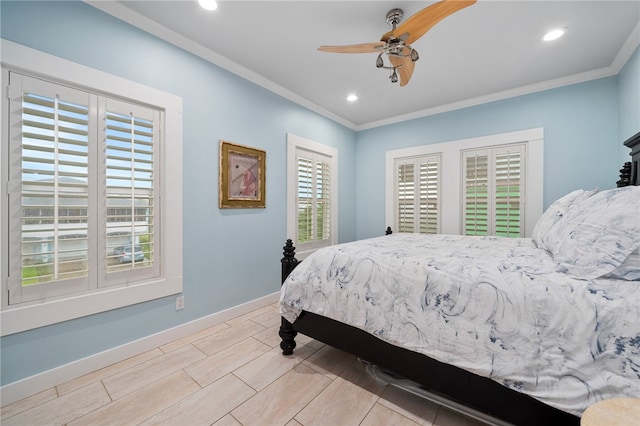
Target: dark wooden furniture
<point>632,177</point>
<point>477,393</point>
<point>450,383</point>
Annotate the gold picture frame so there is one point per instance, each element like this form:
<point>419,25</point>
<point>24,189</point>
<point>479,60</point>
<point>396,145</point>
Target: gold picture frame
<point>242,176</point>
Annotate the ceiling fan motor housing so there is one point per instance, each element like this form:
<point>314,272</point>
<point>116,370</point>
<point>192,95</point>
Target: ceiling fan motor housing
<point>394,16</point>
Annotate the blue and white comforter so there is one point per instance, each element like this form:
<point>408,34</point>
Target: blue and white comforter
<point>496,307</point>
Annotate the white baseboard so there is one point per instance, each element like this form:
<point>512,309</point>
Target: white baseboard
<point>47,379</point>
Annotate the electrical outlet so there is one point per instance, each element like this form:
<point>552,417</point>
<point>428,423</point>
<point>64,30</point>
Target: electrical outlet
<point>179,302</point>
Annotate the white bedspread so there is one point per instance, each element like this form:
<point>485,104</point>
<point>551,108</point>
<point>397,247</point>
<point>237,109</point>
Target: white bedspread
<point>492,306</point>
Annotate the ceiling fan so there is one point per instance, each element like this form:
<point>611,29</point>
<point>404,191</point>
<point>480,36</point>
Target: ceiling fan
<point>396,44</point>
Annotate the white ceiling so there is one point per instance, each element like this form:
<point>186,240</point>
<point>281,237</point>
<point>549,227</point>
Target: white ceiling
<point>488,51</point>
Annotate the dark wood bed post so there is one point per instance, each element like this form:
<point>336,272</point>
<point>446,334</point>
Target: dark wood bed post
<point>630,173</point>
<point>625,175</point>
<point>287,333</point>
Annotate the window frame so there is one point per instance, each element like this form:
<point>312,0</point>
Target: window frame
<point>416,162</point>
<point>30,315</point>
<point>451,175</point>
<point>295,143</point>
<point>492,156</point>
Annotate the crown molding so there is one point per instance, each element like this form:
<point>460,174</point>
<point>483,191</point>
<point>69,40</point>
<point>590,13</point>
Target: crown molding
<point>127,15</point>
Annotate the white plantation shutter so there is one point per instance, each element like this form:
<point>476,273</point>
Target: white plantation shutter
<point>305,199</point>
<point>492,191</point>
<point>312,194</point>
<point>406,198</point>
<point>313,199</point>
<point>130,158</point>
<point>417,194</point>
<point>50,189</point>
<point>323,201</point>
<point>61,233</point>
<point>509,173</point>
<point>476,193</point>
<point>429,196</point>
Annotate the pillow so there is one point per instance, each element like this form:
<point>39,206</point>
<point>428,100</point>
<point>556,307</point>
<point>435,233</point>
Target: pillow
<point>556,211</point>
<point>629,269</point>
<point>597,236</point>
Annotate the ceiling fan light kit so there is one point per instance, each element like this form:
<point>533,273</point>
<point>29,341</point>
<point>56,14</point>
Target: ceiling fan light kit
<point>396,44</point>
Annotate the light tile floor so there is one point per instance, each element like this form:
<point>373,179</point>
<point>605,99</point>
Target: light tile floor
<point>231,374</point>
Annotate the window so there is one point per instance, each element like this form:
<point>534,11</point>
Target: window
<point>490,185</point>
<point>131,139</point>
<point>83,212</point>
<point>416,194</point>
<point>493,191</point>
<point>49,159</point>
<point>66,146</point>
<point>312,194</point>
<point>314,197</point>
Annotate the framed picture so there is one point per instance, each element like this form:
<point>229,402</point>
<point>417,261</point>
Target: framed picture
<point>242,176</point>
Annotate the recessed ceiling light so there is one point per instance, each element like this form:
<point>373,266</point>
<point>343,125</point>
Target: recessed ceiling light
<point>352,97</point>
<point>208,4</point>
<point>554,34</point>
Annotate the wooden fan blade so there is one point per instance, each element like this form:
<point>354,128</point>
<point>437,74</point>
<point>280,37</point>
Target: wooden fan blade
<point>406,70</point>
<point>354,48</point>
<point>421,22</point>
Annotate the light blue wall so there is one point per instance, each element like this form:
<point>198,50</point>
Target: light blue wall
<point>583,131</point>
<point>581,141</point>
<point>230,256</point>
<point>629,101</point>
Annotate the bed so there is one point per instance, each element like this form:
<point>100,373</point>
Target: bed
<point>511,331</point>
